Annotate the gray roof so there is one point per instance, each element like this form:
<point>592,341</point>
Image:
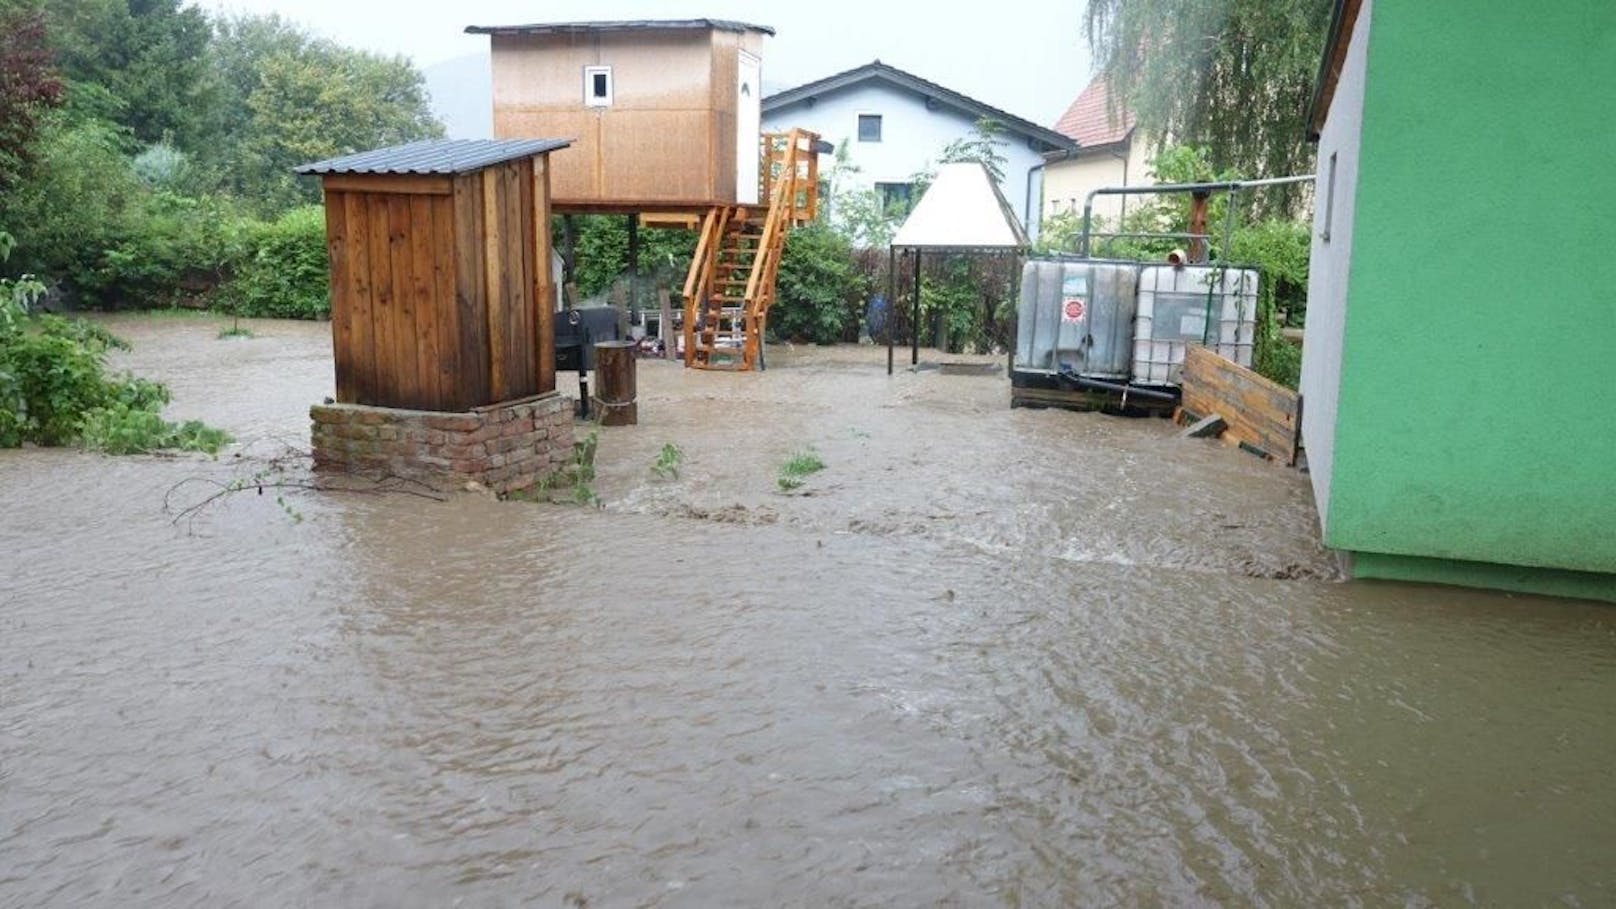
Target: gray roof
<point>435,156</point>
<point>558,28</point>
<point>932,92</point>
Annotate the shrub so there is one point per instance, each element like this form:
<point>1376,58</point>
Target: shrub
<point>170,247</point>
<point>819,287</point>
<point>600,253</point>
<point>285,275</point>
<point>1280,251</point>
<point>54,389</point>
<point>125,429</point>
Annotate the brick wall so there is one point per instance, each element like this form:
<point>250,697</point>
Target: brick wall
<point>505,447</point>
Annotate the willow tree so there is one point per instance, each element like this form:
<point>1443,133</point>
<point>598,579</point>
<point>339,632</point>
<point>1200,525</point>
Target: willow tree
<point>1233,76</point>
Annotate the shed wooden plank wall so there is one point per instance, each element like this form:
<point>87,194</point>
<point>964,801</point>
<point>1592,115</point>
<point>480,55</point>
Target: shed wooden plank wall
<point>439,291</point>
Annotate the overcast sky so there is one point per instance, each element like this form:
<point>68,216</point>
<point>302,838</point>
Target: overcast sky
<point>1025,56</point>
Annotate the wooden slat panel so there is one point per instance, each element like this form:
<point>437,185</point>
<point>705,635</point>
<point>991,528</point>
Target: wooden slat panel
<point>522,377</point>
<point>471,294</point>
<point>1259,412</point>
<point>451,389</point>
<point>411,184</point>
<point>406,384</point>
<point>383,306</point>
<point>423,303</point>
<point>336,249</point>
<point>543,280</point>
<point>361,356</point>
<point>498,283</point>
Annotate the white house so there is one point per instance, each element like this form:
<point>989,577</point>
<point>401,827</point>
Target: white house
<point>1109,152</point>
<point>894,124</point>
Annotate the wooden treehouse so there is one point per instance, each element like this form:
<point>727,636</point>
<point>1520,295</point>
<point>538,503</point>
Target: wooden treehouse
<point>665,121</point>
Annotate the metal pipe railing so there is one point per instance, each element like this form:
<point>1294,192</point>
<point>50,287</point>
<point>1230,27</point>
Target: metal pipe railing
<point>1228,186</point>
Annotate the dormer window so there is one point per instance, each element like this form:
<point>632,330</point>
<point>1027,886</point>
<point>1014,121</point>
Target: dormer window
<point>597,86</point>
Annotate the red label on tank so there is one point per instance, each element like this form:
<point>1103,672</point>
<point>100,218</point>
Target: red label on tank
<point>1073,311</point>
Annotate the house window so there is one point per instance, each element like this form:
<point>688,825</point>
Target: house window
<point>869,127</point>
<point>895,198</point>
<point>597,86</point>
<point>1329,201</point>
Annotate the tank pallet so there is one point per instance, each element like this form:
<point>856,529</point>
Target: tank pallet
<point>1040,391</point>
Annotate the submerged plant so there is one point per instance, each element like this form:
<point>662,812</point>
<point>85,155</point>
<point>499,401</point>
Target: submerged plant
<point>796,470</point>
<point>667,461</point>
<point>573,482</point>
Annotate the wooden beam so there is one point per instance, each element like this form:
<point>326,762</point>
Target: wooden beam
<point>409,184</point>
<point>543,275</point>
<point>497,289</point>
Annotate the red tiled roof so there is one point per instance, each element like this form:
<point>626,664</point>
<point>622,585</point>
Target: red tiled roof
<point>1089,122</point>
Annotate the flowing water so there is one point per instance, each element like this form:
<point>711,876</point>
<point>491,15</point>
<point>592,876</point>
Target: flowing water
<point>987,657</point>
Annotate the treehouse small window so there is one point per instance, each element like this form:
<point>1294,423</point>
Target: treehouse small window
<point>597,86</point>
<point>869,128</point>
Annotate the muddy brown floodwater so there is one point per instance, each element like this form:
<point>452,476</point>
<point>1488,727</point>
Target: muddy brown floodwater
<point>986,657</point>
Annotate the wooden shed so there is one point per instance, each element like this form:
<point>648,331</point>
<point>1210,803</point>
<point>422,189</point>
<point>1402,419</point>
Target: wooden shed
<point>441,282</point>
<point>665,114</point>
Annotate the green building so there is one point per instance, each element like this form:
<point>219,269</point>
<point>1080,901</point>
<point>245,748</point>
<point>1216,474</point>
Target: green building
<point>1459,375</point>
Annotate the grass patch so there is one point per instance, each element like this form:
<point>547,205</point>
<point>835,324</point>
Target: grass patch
<point>795,471</point>
<point>235,331</point>
<point>667,462</point>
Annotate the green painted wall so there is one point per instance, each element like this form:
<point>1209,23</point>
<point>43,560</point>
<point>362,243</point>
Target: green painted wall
<point>1584,585</point>
<point>1477,417</point>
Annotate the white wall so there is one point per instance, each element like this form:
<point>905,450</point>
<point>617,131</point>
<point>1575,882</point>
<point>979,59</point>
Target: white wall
<point>1328,267</point>
<point>1067,183</point>
<point>911,136</point>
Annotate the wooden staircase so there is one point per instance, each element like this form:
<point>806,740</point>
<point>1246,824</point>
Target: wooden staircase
<point>730,286</point>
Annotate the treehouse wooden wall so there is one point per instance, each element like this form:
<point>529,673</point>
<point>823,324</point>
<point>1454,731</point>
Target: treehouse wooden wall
<point>440,287</point>
<point>667,139</point>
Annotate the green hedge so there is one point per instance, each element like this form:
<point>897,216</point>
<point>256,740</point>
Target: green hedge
<point>285,274</point>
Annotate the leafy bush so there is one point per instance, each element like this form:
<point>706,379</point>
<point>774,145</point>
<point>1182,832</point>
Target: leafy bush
<point>1280,251</point>
<point>170,248</point>
<point>286,274</point>
<point>74,204</point>
<point>600,253</point>
<point>819,288</point>
<point>54,388</point>
<point>124,429</point>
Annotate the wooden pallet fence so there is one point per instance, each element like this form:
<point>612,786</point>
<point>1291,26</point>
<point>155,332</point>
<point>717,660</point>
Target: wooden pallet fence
<point>1263,416</point>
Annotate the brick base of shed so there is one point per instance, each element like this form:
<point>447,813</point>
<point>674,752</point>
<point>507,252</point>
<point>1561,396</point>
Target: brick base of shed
<point>505,447</point>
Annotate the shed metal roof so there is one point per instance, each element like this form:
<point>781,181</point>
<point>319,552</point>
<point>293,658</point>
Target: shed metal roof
<point>559,28</point>
<point>435,156</point>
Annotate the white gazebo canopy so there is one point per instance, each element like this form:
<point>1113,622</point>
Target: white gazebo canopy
<point>963,209</point>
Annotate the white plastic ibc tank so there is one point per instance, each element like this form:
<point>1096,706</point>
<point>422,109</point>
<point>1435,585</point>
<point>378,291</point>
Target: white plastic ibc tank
<point>1197,304</point>
<point>1038,317</point>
